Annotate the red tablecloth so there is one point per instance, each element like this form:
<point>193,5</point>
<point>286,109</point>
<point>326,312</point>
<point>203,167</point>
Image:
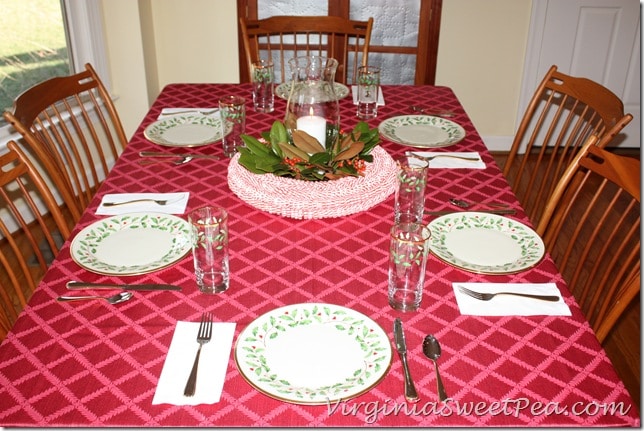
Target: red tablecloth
<point>91,364</point>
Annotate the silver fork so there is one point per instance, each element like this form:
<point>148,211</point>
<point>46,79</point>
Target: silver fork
<point>156,201</point>
<point>451,156</point>
<point>487,296</point>
<point>203,337</point>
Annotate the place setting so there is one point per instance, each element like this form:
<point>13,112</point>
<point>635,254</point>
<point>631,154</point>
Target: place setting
<point>283,90</point>
<point>422,131</point>
<point>132,243</point>
<point>194,370</point>
<point>186,127</point>
<point>509,299</point>
<point>450,160</point>
<point>123,203</point>
<point>462,239</point>
<point>313,353</point>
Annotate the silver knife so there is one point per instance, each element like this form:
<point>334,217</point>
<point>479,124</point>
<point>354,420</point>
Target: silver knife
<point>503,211</point>
<point>399,338</point>
<point>162,154</point>
<point>77,285</point>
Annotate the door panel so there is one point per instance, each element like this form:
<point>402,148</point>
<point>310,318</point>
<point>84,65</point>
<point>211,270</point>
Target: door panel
<point>596,39</point>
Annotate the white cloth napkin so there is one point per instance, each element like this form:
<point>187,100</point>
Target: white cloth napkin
<point>213,364</point>
<point>450,162</point>
<point>176,203</point>
<point>166,112</point>
<point>354,93</point>
<point>510,305</point>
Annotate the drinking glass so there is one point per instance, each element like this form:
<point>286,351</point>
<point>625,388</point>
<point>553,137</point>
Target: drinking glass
<point>410,194</point>
<point>368,88</point>
<point>408,249</point>
<point>210,248</point>
<point>263,86</point>
<point>233,123</point>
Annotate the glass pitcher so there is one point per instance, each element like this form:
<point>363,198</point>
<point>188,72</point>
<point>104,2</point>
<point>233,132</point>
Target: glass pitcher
<point>312,104</point>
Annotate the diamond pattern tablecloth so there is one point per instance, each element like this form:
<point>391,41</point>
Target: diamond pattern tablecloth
<point>91,364</point>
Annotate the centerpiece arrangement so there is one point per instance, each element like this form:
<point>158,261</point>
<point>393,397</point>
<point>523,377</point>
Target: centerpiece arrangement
<point>307,167</point>
<point>303,157</point>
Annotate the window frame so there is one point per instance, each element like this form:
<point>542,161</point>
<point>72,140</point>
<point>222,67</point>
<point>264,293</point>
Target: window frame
<point>86,44</point>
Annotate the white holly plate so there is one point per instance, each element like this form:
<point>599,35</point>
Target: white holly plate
<point>283,90</point>
<point>185,131</point>
<point>485,243</point>
<point>313,353</point>
<point>421,131</point>
<point>132,244</point>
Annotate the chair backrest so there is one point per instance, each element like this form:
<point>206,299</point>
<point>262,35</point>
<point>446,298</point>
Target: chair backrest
<point>32,229</point>
<point>563,112</point>
<point>72,120</point>
<point>281,38</point>
<point>591,228</point>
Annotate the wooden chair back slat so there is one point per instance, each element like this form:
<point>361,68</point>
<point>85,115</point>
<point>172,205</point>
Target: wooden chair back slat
<point>562,114</point>
<point>591,228</point>
<point>281,38</point>
<point>72,121</point>
<point>32,229</point>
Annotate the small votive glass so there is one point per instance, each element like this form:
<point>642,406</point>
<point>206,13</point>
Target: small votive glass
<point>233,123</point>
<point>263,86</point>
<point>368,89</point>
<point>210,248</point>
<point>408,249</point>
<point>409,203</point>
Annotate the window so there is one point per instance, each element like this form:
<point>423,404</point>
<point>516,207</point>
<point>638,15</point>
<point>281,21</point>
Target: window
<point>79,26</point>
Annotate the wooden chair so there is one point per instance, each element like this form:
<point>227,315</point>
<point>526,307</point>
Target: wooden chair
<point>72,120</point>
<point>32,229</point>
<point>562,114</point>
<point>281,38</point>
<point>591,228</point>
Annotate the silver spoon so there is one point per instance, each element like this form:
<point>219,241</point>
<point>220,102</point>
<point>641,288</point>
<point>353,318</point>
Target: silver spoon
<point>426,111</point>
<point>465,204</point>
<point>119,297</point>
<point>432,350</point>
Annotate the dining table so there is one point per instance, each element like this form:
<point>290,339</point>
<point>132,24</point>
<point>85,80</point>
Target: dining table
<point>94,364</point>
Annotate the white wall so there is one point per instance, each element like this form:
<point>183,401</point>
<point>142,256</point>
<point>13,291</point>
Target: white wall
<point>156,42</point>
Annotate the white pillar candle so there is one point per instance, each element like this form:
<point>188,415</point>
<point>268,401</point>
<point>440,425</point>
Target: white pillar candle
<point>314,126</point>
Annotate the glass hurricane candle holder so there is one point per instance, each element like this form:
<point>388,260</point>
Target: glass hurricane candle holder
<point>312,104</point>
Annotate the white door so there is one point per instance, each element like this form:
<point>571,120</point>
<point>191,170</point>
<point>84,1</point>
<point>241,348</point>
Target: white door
<point>595,39</point>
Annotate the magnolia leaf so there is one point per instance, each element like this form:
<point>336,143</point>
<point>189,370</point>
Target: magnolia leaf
<point>342,144</point>
<point>350,152</point>
<point>292,152</point>
<point>332,176</point>
<point>306,142</point>
<point>254,145</point>
<point>278,132</point>
<point>248,161</point>
<point>320,158</point>
<point>278,135</point>
<point>302,157</point>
